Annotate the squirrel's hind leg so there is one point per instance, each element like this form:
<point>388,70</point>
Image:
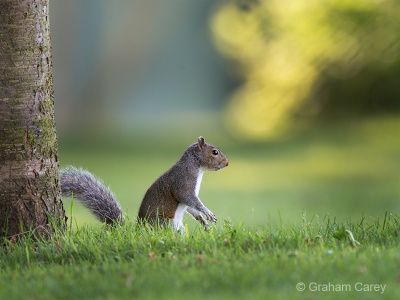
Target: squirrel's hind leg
<point>177,221</point>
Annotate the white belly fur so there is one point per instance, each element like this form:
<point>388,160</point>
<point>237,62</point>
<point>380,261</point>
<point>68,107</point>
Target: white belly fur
<point>178,217</point>
<point>198,182</point>
<point>177,223</point>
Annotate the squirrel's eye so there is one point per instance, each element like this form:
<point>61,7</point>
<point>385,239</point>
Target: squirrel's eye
<point>215,152</point>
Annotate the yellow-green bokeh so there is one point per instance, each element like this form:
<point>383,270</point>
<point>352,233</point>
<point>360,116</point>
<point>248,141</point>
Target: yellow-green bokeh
<point>281,48</point>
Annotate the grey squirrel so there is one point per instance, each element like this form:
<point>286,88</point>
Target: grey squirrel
<point>166,200</point>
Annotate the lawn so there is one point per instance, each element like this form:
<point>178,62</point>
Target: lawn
<point>229,262</point>
<point>318,210</point>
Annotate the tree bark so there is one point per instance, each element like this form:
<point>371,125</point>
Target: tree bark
<point>30,195</point>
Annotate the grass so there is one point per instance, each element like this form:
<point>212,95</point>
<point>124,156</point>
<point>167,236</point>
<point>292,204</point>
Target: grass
<point>230,262</point>
<point>320,207</point>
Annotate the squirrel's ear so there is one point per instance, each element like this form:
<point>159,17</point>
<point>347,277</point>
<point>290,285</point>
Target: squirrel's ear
<point>200,142</point>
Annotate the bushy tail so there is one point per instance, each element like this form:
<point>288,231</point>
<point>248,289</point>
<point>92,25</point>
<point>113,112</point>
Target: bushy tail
<point>91,192</point>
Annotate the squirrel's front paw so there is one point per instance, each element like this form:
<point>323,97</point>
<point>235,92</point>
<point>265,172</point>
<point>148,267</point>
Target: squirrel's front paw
<point>203,221</point>
<point>209,215</point>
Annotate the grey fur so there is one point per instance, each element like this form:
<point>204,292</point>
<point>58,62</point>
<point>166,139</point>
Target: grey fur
<point>91,192</point>
<point>178,186</point>
<point>174,191</point>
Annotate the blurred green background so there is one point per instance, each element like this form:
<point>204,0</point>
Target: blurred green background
<point>302,96</point>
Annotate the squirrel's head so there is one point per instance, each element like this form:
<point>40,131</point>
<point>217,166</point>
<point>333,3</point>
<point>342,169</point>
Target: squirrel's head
<point>211,158</point>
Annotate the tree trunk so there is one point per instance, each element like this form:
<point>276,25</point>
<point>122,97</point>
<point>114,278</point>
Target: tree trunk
<point>30,196</point>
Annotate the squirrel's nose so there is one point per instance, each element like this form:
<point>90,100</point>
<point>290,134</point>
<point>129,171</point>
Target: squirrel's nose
<point>227,163</point>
